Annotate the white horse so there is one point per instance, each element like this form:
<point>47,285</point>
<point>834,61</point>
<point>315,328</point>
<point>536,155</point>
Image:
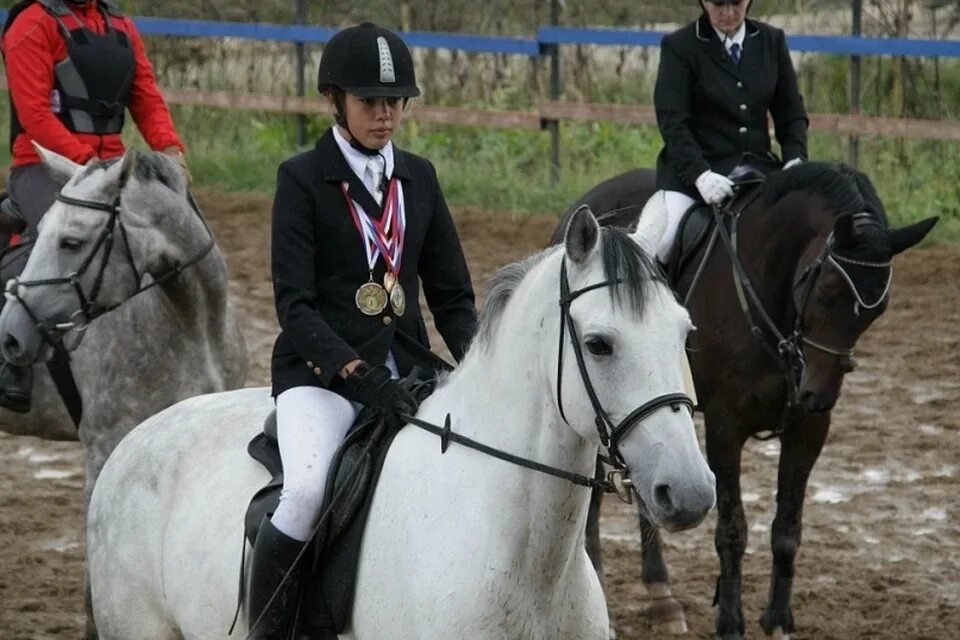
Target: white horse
<point>132,225</point>
<point>458,544</point>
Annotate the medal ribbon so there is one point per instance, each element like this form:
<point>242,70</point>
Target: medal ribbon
<point>385,236</point>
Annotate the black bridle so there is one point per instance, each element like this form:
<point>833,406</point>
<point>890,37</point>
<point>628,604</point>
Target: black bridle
<point>617,481</point>
<point>787,349</point>
<point>89,309</point>
<point>610,434</point>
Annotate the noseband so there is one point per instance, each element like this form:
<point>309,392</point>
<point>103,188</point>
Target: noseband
<point>610,434</point>
<point>89,308</point>
<point>812,272</point>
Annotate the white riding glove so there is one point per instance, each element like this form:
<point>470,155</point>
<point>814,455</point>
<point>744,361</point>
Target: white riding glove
<point>713,187</point>
<point>792,163</point>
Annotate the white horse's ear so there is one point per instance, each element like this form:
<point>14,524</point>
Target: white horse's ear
<point>582,236</point>
<point>652,223</point>
<point>60,167</point>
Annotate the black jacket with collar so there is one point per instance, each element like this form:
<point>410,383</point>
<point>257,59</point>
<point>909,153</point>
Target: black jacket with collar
<point>319,262</point>
<point>712,112</point>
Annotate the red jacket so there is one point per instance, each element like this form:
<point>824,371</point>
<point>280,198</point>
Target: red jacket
<point>32,47</point>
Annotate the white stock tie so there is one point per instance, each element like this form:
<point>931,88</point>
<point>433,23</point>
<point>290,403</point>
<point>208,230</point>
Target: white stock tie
<point>373,177</point>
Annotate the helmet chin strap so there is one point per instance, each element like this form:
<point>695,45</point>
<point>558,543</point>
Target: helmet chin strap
<point>354,142</point>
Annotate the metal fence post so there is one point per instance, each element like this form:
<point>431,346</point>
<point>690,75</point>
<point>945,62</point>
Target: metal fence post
<point>555,88</point>
<point>857,30</point>
<point>301,61</point>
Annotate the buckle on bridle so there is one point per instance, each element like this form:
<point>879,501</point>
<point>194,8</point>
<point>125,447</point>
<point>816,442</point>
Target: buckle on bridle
<point>78,322</point>
<point>621,485</point>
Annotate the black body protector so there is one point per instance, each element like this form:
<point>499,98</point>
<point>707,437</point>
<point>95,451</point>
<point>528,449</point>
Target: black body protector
<point>92,84</point>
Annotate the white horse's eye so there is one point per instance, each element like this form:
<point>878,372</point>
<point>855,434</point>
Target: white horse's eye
<point>598,346</point>
<point>70,244</point>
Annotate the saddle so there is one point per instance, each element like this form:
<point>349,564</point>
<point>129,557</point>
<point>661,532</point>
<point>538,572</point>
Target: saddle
<point>698,222</point>
<point>328,588</point>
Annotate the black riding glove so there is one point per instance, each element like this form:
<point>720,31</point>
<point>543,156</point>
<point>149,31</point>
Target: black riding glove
<point>373,387</point>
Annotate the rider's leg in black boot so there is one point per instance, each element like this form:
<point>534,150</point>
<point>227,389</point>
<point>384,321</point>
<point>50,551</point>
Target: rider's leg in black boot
<point>16,384</point>
<point>273,557</point>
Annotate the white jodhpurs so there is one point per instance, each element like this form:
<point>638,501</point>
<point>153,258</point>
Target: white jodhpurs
<point>676,204</point>
<point>311,424</point>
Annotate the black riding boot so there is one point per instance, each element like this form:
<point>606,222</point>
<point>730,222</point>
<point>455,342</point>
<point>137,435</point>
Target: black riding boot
<point>16,384</point>
<point>273,556</point>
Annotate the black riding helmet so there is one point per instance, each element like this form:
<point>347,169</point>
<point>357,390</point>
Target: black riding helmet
<point>703,8</point>
<point>368,61</point>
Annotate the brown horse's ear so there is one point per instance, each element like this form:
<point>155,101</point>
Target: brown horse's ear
<point>843,230</point>
<point>583,233</point>
<point>905,237</point>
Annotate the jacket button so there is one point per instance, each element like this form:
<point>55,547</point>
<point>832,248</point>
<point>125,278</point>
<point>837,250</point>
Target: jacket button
<point>743,107</point>
<point>387,319</point>
<point>743,129</point>
<point>309,364</point>
<point>317,371</point>
<point>739,85</point>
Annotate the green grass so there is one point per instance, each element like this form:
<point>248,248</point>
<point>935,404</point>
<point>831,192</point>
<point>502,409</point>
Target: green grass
<point>508,170</point>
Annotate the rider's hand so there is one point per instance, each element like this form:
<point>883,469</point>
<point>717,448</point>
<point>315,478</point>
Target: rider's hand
<point>713,187</point>
<point>792,163</point>
<point>178,155</point>
<point>373,387</point>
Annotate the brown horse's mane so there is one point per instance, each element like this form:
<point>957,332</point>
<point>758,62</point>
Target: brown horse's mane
<point>845,188</point>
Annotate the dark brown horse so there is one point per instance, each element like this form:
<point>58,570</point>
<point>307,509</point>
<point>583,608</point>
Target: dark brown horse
<point>775,338</point>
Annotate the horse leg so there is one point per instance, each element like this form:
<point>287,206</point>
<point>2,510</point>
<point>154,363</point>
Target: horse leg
<point>94,459</point>
<point>799,449</point>
<point>724,454</point>
<point>664,613</point>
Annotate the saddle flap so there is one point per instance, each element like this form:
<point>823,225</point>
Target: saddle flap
<point>693,230</point>
<point>352,480</point>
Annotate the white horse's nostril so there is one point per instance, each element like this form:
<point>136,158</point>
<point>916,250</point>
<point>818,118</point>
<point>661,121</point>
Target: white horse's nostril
<point>11,346</point>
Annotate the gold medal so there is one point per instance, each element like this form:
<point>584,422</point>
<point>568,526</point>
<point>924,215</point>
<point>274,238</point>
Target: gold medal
<point>389,281</point>
<point>371,298</point>
<point>398,300</point>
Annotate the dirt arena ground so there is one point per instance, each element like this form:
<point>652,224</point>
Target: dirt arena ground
<point>881,547</point>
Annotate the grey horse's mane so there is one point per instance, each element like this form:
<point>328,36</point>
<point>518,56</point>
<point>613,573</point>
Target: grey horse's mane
<point>623,261</point>
<point>150,166</point>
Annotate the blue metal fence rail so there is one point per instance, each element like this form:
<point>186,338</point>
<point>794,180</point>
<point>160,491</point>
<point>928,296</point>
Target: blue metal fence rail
<point>533,46</point>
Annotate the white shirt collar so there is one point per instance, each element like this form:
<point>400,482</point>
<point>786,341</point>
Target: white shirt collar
<point>358,160</point>
<point>737,38</point>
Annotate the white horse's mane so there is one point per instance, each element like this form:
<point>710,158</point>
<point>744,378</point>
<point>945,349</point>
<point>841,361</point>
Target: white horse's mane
<point>622,260</point>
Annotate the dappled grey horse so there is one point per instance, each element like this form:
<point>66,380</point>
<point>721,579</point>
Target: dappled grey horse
<point>127,274</point>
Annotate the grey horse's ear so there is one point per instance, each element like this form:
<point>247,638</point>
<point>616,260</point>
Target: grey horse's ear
<point>652,223</point>
<point>583,234</point>
<point>60,167</point>
<point>129,163</point>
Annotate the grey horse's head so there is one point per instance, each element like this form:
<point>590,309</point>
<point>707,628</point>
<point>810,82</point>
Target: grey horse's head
<point>114,226</point>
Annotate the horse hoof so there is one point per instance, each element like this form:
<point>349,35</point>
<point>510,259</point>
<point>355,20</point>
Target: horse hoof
<point>666,617</point>
<point>731,636</point>
<point>778,634</point>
